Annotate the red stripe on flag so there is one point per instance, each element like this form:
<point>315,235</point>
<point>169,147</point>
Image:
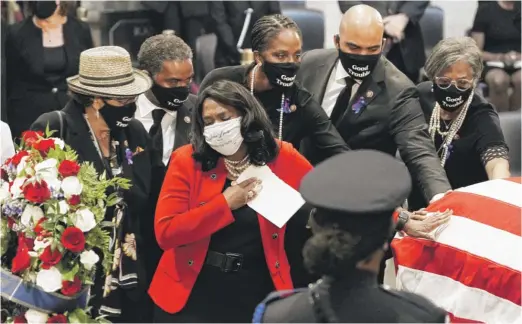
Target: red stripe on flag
<point>482,209</point>
<point>517,180</point>
<point>455,319</point>
<point>466,268</point>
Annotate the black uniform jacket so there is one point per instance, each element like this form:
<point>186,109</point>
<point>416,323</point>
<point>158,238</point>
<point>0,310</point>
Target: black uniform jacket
<point>357,299</point>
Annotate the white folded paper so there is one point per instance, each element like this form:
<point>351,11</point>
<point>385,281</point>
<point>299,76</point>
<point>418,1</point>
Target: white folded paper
<point>276,201</point>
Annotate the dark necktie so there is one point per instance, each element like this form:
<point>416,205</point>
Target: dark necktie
<point>156,133</point>
<point>341,104</point>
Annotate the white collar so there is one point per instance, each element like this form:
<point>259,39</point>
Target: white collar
<point>341,74</point>
<point>145,107</point>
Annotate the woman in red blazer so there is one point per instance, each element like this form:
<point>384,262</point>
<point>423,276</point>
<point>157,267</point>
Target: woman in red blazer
<point>221,257</point>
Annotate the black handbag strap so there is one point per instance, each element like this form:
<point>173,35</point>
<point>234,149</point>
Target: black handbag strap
<point>60,118</point>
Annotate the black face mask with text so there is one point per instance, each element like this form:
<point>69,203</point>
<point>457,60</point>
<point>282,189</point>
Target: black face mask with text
<point>170,98</point>
<point>450,99</point>
<point>358,66</point>
<point>117,118</point>
<point>44,9</point>
<point>280,75</point>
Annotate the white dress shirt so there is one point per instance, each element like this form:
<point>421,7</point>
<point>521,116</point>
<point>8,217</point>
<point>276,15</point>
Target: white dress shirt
<point>7,149</point>
<point>168,123</point>
<point>335,85</point>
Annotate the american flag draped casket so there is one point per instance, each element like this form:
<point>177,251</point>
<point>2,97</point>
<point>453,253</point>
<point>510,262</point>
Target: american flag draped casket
<point>473,268</point>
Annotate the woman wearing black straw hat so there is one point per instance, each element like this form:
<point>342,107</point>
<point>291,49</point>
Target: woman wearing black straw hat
<point>97,123</point>
<point>351,232</point>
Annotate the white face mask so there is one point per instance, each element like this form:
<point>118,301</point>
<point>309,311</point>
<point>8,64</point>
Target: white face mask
<point>224,137</point>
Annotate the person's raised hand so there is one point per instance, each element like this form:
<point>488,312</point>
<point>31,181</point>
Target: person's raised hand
<point>239,194</point>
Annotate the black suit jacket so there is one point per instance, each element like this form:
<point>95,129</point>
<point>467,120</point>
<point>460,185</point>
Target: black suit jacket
<point>181,138</point>
<point>29,93</point>
<point>412,46</point>
<point>228,18</point>
<point>392,118</point>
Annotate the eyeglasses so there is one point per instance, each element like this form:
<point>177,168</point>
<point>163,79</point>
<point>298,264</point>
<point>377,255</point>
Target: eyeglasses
<point>125,101</point>
<point>461,84</point>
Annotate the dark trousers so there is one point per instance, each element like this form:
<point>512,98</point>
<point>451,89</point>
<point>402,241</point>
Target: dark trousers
<point>395,56</point>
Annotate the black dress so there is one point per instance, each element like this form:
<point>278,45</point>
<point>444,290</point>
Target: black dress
<point>479,133</point>
<point>219,297</point>
<point>35,75</point>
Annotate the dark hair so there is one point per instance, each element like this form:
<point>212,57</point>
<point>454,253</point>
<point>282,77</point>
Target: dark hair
<point>334,251</point>
<point>84,100</point>
<point>268,27</point>
<point>256,128</point>
<point>66,8</point>
<point>160,48</point>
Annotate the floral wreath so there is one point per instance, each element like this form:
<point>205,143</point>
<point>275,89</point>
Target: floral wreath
<point>51,236</point>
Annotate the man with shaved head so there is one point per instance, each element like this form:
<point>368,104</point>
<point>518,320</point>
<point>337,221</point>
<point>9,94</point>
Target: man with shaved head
<point>372,104</point>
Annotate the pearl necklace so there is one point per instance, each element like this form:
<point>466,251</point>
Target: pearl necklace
<point>235,168</point>
<point>447,137</point>
<point>252,79</point>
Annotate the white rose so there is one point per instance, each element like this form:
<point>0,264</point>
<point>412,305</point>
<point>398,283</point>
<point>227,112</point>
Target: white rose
<point>31,213</point>
<point>47,171</point>
<point>89,259</point>
<point>16,188</point>
<point>84,220</point>
<point>21,166</point>
<point>63,207</point>
<point>59,142</point>
<point>71,186</point>
<point>49,280</point>
<point>4,192</point>
<point>42,244</point>
<point>35,317</point>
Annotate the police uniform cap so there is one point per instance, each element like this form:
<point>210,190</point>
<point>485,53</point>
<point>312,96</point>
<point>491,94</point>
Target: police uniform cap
<point>357,182</point>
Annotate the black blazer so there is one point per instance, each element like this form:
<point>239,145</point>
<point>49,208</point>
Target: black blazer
<point>182,137</point>
<point>77,135</point>
<point>392,118</point>
<point>29,93</point>
<point>309,119</point>
<point>412,46</point>
<point>229,18</point>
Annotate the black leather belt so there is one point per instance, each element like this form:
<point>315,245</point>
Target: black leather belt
<point>227,262</point>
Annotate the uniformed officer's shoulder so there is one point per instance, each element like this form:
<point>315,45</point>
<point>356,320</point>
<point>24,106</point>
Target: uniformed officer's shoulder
<point>277,305</point>
<point>426,310</point>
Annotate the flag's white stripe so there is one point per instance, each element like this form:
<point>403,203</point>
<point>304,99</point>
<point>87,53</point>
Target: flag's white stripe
<point>483,241</point>
<point>503,190</point>
<point>457,298</point>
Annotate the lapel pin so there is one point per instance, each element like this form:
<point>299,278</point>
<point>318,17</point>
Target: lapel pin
<point>187,119</point>
<point>293,108</point>
<point>456,137</point>
<point>369,94</point>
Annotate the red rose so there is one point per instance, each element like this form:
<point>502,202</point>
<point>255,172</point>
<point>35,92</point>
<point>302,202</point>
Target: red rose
<point>70,288</point>
<point>19,319</point>
<point>22,260</point>
<point>15,160</point>
<point>3,175</point>
<point>50,257</point>
<point>57,319</point>
<point>38,229</point>
<point>37,192</point>
<point>68,168</point>
<point>44,145</point>
<point>74,200</point>
<point>73,239</point>
<point>30,137</point>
